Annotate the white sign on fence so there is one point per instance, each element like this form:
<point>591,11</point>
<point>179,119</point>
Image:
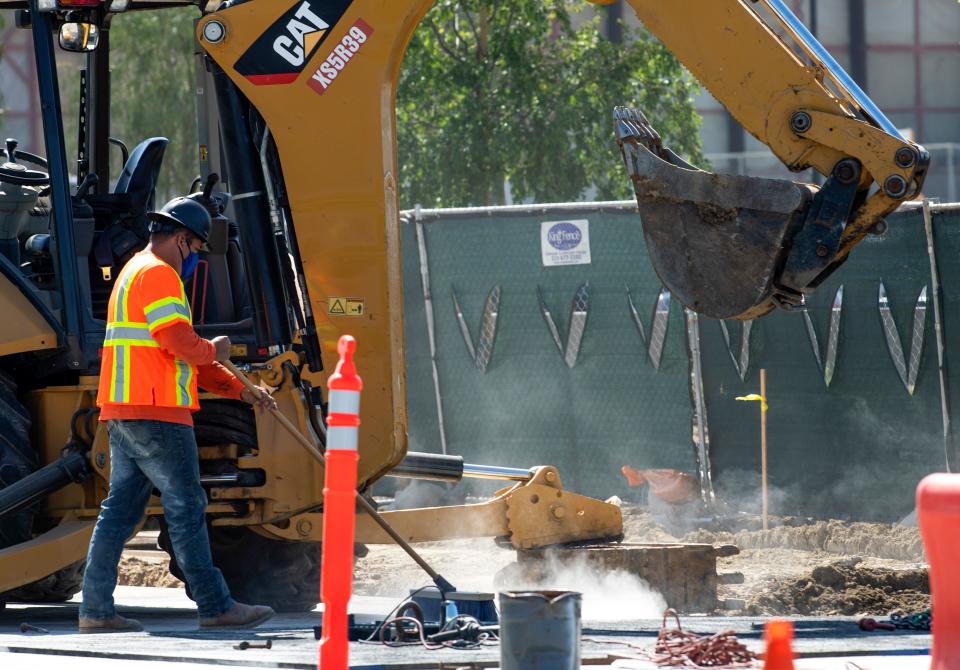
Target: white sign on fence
<point>565,242</point>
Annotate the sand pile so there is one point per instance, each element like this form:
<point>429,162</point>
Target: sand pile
<point>135,571</point>
<point>837,537</point>
<point>856,538</point>
<point>845,588</point>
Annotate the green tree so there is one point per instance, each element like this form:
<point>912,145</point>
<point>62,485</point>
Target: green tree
<point>495,89</point>
<point>151,93</point>
<point>153,90</point>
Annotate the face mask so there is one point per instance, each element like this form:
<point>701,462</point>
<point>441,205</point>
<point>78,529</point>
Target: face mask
<point>188,264</point>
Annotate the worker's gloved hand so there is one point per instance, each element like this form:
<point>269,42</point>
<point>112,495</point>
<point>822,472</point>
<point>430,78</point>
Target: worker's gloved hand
<point>222,344</point>
<point>265,400</point>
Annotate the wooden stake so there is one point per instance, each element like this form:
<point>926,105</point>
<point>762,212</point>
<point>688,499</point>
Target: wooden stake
<point>763,444</point>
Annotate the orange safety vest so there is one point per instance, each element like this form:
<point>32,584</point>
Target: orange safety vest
<point>134,370</point>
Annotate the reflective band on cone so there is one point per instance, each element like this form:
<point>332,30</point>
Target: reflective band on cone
<point>344,402</point>
<point>341,438</point>
<point>339,506</point>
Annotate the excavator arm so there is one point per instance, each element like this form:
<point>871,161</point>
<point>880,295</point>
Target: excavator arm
<point>321,77</point>
<point>735,247</point>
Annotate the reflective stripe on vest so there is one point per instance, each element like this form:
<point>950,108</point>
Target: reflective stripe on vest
<point>166,310</point>
<point>121,333</point>
<point>119,389</point>
<point>184,377</point>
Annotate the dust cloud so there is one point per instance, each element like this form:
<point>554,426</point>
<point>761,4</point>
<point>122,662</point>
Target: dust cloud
<point>609,595</point>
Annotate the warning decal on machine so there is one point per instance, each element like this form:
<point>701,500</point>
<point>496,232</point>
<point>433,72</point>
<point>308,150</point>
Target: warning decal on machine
<point>345,306</point>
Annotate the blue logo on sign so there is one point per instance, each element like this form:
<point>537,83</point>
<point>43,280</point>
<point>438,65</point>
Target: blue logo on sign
<point>564,236</point>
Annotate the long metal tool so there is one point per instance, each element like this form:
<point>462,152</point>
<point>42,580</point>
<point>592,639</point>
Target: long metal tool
<point>431,330</point>
<point>442,584</point>
<point>938,330</point>
<point>707,493</point>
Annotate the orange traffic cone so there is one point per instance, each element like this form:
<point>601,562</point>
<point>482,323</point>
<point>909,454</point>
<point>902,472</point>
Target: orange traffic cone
<point>938,511</point>
<point>779,653</point>
<point>339,506</point>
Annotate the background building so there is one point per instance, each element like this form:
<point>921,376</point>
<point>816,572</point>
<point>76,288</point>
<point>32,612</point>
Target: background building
<point>904,53</point>
<point>19,103</point>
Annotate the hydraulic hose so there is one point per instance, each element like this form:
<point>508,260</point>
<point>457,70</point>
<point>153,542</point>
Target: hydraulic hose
<point>72,467</point>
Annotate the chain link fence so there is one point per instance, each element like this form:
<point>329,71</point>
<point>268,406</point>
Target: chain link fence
<point>855,387</point>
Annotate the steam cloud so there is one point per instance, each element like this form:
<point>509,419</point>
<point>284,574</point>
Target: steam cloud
<point>608,595</point>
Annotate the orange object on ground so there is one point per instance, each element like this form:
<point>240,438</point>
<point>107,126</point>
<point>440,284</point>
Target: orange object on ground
<point>938,513</point>
<point>778,635</point>
<point>339,506</point>
<point>670,486</point>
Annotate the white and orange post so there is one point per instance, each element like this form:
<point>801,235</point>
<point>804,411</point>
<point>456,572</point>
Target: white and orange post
<point>938,513</point>
<point>339,506</point>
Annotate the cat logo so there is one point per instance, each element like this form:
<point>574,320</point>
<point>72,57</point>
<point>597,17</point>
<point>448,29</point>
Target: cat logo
<point>303,34</point>
<point>278,56</point>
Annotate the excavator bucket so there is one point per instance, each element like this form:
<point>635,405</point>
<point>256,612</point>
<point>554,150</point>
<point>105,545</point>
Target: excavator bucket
<point>718,242</point>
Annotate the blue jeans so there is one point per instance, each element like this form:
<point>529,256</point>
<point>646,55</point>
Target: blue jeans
<point>144,455</point>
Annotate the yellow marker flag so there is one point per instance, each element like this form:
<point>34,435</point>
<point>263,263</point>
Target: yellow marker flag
<point>755,396</point>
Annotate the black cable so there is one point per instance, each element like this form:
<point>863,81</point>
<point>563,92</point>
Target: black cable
<point>471,634</point>
<point>395,610</point>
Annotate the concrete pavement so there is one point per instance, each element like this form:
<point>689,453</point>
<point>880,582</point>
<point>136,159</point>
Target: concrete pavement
<point>171,640</point>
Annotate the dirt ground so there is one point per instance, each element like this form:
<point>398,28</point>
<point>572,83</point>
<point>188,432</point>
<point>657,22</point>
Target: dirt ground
<point>845,587</point>
<point>798,566</point>
<point>809,566</point>
<point>152,571</point>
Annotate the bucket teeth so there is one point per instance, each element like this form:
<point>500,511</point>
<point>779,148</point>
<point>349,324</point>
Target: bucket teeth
<point>633,126</point>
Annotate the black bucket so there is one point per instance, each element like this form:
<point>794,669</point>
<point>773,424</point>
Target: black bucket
<point>540,630</point>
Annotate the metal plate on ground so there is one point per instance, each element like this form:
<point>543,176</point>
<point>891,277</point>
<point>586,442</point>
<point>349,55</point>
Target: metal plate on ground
<point>684,574</point>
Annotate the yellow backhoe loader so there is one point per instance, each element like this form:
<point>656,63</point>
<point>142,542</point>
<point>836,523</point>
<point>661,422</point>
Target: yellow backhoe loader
<point>296,111</point>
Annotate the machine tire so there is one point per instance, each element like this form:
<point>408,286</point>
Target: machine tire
<point>258,570</point>
<point>17,460</point>
<point>56,588</point>
<point>225,422</point>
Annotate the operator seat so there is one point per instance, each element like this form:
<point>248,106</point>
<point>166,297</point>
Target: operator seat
<point>121,216</point>
<point>138,180</point>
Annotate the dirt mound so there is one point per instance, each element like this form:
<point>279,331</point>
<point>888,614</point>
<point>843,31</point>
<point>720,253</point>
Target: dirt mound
<point>135,571</point>
<point>880,540</point>
<point>844,588</point>
<point>837,537</point>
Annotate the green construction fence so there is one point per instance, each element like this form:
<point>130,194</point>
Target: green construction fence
<point>855,448</point>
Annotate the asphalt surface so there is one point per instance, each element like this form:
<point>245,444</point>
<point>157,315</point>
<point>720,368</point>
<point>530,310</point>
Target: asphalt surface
<point>171,640</point>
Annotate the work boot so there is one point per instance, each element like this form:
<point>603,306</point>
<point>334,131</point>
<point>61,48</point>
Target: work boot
<point>117,624</point>
<point>239,616</point>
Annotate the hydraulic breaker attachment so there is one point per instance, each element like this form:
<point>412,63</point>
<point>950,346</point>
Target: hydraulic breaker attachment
<point>532,513</point>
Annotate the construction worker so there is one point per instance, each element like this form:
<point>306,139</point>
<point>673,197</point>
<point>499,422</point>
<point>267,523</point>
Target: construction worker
<point>153,362</point>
